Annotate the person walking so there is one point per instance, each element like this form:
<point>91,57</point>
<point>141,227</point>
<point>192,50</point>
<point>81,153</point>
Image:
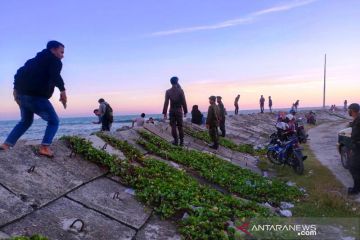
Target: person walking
<point>262,102</point>
<point>270,104</point>
<point>221,115</point>
<point>212,122</point>
<point>178,106</point>
<point>34,85</point>
<point>106,115</point>
<point>236,104</point>
<point>354,166</point>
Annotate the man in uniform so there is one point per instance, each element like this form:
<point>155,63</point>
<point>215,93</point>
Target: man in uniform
<point>178,105</point>
<point>355,148</point>
<point>236,104</point>
<point>221,115</point>
<point>212,122</point>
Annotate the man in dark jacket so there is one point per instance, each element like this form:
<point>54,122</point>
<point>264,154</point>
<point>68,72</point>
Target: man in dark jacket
<point>212,122</point>
<point>236,104</point>
<point>222,114</point>
<point>355,148</point>
<point>178,105</point>
<point>196,115</point>
<point>34,84</point>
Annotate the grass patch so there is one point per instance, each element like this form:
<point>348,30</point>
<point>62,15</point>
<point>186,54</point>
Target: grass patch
<point>326,195</point>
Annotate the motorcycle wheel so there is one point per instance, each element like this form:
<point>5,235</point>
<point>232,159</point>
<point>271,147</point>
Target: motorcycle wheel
<point>272,156</point>
<point>344,154</point>
<point>298,164</point>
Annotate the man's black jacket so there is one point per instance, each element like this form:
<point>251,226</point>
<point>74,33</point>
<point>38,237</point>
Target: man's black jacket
<point>39,75</point>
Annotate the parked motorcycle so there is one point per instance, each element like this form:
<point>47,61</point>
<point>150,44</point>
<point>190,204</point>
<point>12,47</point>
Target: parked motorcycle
<point>286,152</point>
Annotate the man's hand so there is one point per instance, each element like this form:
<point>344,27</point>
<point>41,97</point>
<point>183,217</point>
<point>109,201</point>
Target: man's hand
<point>63,98</point>
<point>16,98</point>
<point>165,116</point>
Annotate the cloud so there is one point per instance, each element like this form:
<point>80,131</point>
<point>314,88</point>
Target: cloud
<point>235,22</point>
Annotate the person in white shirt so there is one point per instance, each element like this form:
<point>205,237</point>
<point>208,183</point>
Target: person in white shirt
<point>139,121</point>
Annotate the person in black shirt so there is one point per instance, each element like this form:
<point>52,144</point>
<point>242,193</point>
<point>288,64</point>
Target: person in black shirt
<point>355,148</point>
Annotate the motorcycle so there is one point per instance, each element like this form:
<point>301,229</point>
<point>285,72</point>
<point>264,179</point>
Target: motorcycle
<point>300,131</point>
<point>286,152</point>
<point>310,118</point>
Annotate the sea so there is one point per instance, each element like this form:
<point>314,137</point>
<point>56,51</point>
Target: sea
<point>69,126</point>
<point>85,125</point>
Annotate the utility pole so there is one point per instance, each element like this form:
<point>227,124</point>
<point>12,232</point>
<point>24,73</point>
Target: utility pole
<point>324,83</point>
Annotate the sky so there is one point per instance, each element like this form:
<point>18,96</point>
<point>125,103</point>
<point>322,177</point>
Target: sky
<point>126,51</point>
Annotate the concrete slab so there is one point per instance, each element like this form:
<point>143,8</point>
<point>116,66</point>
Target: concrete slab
<point>54,221</point>
<point>159,132</point>
<point>156,229</point>
<point>131,136</point>
<point>245,161</point>
<point>11,207</point>
<point>3,235</point>
<point>100,144</point>
<point>110,198</point>
<point>49,179</point>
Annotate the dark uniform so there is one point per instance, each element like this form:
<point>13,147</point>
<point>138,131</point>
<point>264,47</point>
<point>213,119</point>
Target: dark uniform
<point>222,118</point>
<point>270,104</point>
<point>236,104</point>
<point>262,102</point>
<point>355,154</point>
<point>177,106</point>
<point>212,121</point>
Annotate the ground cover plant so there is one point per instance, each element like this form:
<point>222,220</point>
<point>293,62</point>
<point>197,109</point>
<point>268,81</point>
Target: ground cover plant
<point>225,142</point>
<point>171,192</point>
<point>242,182</point>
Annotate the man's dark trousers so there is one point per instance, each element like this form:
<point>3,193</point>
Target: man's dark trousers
<point>176,120</point>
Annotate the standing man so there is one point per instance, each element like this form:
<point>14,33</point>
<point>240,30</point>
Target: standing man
<point>236,104</point>
<point>33,86</point>
<point>262,102</point>
<point>221,115</point>
<point>270,104</point>
<point>106,115</point>
<point>212,122</point>
<point>178,105</point>
<point>355,148</point>
<point>296,105</point>
<point>345,105</point>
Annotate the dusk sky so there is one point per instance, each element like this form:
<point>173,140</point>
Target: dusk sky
<point>126,51</point>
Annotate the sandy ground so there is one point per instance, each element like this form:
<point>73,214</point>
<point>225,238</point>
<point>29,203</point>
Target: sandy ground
<point>323,139</point>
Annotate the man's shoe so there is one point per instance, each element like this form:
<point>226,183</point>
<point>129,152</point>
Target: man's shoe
<point>181,144</point>
<point>4,147</point>
<point>45,151</point>
<point>353,191</point>
<point>175,143</point>
<point>213,146</point>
